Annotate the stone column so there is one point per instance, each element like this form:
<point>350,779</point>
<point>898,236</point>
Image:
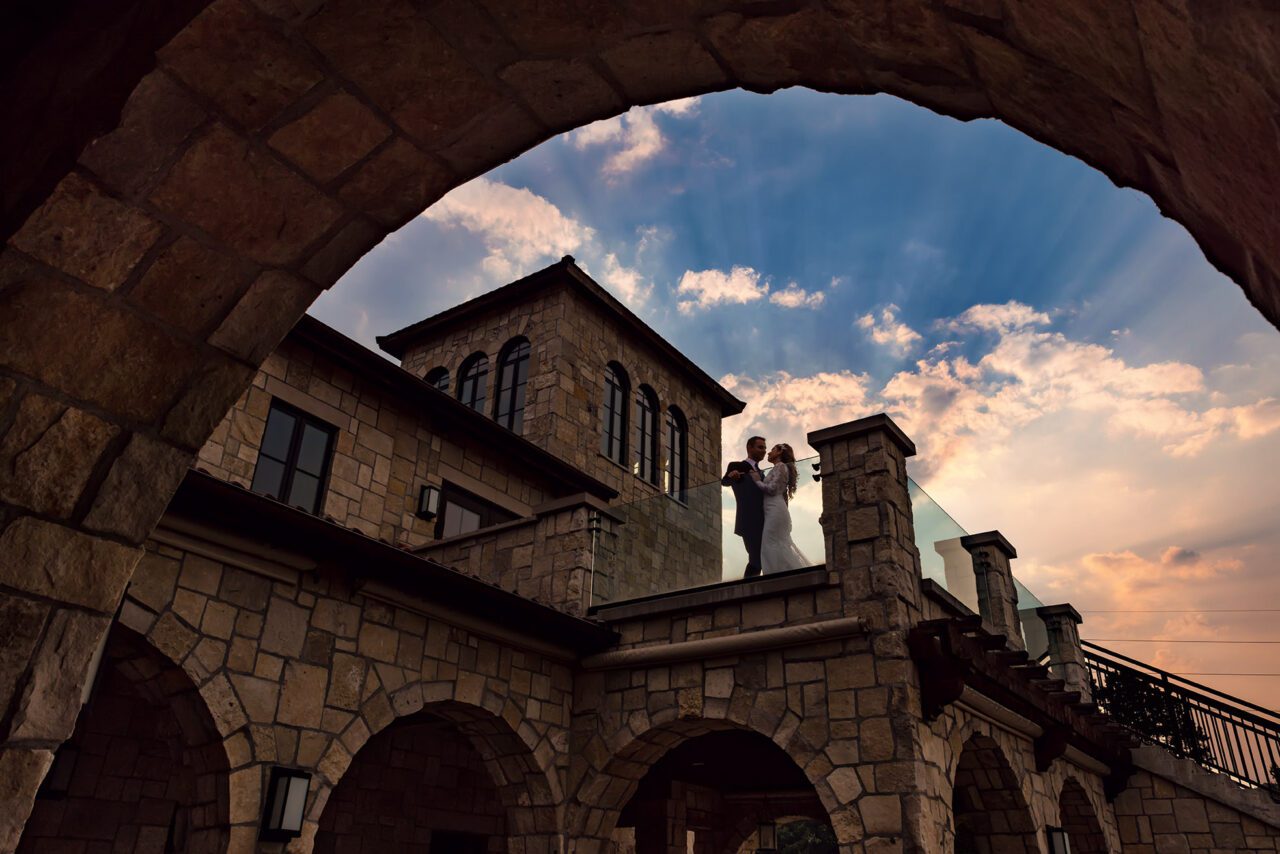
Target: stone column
<point>866,519</point>
<point>997,597</point>
<point>871,553</point>
<point>1066,655</point>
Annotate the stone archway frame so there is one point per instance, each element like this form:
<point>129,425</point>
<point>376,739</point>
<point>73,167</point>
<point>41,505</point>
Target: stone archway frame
<point>530,793</point>
<point>604,792</point>
<point>983,767</point>
<point>1078,815</point>
<point>276,142</point>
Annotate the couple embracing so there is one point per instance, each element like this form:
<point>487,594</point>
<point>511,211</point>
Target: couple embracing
<point>764,518</point>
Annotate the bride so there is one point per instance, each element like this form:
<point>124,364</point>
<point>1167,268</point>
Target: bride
<point>777,551</point>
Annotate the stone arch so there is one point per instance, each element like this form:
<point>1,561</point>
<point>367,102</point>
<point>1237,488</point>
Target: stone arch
<point>1077,816</point>
<point>151,268</point>
<point>602,794</point>
<point>145,766</point>
<point>528,795</point>
<point>989,810</point>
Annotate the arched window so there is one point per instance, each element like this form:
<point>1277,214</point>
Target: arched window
<point>613,414</point>
<point>676,470</point>
<point>513,375</point>
<point>645,462</point>
<point>439,377</point>
<point>473,376</point>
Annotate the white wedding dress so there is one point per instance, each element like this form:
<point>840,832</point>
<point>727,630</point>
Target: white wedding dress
<point>777,551</point>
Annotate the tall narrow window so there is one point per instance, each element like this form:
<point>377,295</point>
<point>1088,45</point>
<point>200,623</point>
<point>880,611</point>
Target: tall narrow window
<point>293,461</point>
<point>513,375</point>
<point>439,377</point>
<point>613,414</point>
<point>645,461</point>
<point>676,470</point>
<point>473,376</point>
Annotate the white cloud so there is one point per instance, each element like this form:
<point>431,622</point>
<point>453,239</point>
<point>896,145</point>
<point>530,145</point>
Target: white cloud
<point>634,135</point>
<point>1000,318</point>
<point>700,289</point>
<point>519,228</point>
<point>793,296</point>
<point>783,407</point>
<point>889,331</point>
<point>522,231</point>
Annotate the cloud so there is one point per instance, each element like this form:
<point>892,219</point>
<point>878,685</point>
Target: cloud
<point>999,318</point>
<point>793,296</point>
<point>518,227</point>
<point>783,407</point>
<point>634,135</point>
<point>889,331</point>
<point>702,289</point>
<point>522,231</point>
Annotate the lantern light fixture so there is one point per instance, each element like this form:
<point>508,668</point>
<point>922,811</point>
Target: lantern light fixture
<point>428,502</point>
<point>1058,841</point>
<point>286,797</point>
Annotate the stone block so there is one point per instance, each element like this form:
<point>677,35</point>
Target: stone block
<point>88,235</point>
<point>257,696</point>
<point>138,488</point>
<point>48,453</point>
<point>49,560</point>
<point>336,617</point>
<point>302,697</point>
<point>286,628</point>
<point>331,137</point>
<point>378,642</point>
<point>21,770</point>
<point>224,706</point>
<point>268,310</point>
<point>346,681</point>
<point>246,199</point>
<point>844,784</point>
<point>50,698</point>
<point>881,814</point>
<point>396,184</point>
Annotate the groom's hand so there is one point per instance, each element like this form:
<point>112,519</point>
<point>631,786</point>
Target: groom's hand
<point>735,475</point>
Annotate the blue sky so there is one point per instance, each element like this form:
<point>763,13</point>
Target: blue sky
<point>1073,370</point>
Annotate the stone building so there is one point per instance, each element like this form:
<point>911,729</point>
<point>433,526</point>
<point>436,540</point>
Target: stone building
<point>376,587</point>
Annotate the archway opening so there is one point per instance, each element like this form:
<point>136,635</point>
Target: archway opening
<point>1079,820</point>
<point>450,778</point>
<point>145,769</point>
<point>990,812</point>
<point>710,793</point>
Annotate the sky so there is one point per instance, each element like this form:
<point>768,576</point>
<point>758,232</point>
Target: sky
<point>1072,370</point>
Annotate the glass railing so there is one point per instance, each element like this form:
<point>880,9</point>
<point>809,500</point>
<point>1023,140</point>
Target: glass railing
<point>664,544</point>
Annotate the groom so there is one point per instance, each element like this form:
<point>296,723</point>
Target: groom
<point>750,520</point>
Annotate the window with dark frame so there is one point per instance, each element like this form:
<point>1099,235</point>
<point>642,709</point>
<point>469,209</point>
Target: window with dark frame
<point>293,461</point>
<point>645,460</point>
<point>513,377</point>
<point>613,432</point>
<point>462,512</point>
<point>439,377</point>
<point>676,471</point>
<point>473,376</point>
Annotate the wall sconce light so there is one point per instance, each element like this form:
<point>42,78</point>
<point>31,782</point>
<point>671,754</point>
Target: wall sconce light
<point>766,838</point>
<point>428,502</point>
<point>282,812</point>
<point>1058,842</point>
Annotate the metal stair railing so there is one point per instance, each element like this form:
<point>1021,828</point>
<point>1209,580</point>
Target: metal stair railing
<point>1220,732</point>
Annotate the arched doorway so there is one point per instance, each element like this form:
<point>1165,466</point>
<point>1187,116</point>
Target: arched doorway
<point>144,770</point>
<point>987,803</point>
<point>450,778</point>
<point>709,788</point>
<point>1079,820</point>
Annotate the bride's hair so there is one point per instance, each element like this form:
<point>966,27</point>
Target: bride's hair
<point>787,457</point>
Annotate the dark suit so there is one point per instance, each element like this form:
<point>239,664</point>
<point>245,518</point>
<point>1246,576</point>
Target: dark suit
<point>749,523</point>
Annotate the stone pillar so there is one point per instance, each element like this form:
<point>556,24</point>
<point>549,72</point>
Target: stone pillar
<point>870,550</point>
<point>662,825</point>
<point>866,519</point>
<point>1066,655</point>
<point>997,597</point>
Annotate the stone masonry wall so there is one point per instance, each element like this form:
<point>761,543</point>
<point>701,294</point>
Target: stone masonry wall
<point>384,452</point>
<point>665,544</point>
<point>303,672</point>
<point>1158,816</point>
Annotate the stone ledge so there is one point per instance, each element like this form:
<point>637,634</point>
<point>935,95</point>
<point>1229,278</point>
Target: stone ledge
<point>1186,773</point>
<point>716,594</point>
<point>989,538</point>
<point>870,424</point>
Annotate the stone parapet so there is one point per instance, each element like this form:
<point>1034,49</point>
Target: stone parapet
<point>997,595</point>
<point>1066,655</point>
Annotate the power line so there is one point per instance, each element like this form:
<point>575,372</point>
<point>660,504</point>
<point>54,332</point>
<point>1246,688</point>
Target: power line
<point>1170,640</point>
<point>1226,674</point>
<point>1183,611</point>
